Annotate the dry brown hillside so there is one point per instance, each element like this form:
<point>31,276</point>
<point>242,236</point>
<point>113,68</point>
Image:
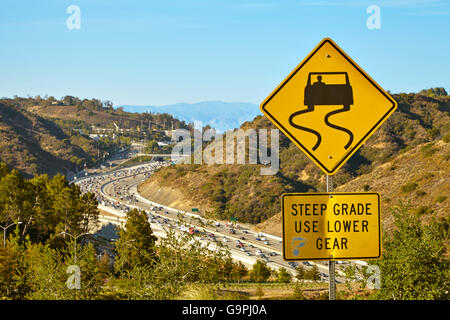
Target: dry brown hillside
<point>35,145</point>
<point>407,158</point>
<point>92,117</point>
<point>420,177</point>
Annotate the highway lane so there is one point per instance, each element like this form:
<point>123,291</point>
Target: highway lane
<point>119,188</point>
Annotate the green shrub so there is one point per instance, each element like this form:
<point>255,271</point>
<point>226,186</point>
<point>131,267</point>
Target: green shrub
<point>298,293</point>
<point>446,138</point>
<point>428,149</point>
<point>434,132</point>
<point>420,193</point>
<point>413,265</point>
<point>409,187</point>
<point>422,210</point>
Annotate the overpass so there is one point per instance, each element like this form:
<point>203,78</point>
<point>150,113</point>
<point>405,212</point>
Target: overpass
<point>162,155</point>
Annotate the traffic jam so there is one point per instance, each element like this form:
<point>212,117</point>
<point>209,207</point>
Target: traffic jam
<point>113,190</point>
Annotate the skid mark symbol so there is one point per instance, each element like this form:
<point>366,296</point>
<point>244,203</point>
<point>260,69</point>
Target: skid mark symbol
<point>320,93</point>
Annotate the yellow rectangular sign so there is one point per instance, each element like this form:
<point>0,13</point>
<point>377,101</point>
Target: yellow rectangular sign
<point>331,226</point>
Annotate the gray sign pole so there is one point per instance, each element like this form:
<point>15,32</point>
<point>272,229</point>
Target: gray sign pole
<point>331,264</point>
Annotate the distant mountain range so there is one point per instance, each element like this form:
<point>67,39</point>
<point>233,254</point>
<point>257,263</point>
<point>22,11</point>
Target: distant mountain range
<point>220,115</point>
<point>407,159</point>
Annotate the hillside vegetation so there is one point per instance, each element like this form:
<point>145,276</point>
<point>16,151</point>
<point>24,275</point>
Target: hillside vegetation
<point>45,135</point>
<point>94,112</point>
<point>37,145</point>
<point>411,147</point>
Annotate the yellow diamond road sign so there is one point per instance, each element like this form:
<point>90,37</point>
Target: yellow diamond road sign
<point>328,106</point>
<point>331,226</point>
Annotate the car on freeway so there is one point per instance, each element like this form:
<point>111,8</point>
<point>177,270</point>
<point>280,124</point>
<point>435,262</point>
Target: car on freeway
<point>257,239</point>
<point>272,254</point>
<point>242,238</point>
<point>266,242</point>
<point>292,264</point>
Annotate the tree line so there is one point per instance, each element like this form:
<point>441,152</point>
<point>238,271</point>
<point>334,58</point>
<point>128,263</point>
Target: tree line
<point>55,237</point>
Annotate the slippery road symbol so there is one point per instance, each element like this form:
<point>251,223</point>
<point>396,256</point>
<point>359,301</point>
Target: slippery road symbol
<point>320,93</point>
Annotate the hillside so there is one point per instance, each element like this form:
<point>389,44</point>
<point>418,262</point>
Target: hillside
<point>239,190</point>
<point>35,145</point>
<point>46,135</point>
<point>419,177</point>
<point>96,113</point>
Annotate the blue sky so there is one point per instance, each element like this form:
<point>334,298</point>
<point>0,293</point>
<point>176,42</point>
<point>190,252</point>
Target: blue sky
<point>163,52</point>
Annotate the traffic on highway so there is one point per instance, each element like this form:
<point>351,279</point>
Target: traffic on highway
<point>117,191</point>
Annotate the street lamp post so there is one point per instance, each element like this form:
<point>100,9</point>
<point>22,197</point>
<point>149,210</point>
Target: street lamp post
<point>6,228</point>
<point>75,242</point>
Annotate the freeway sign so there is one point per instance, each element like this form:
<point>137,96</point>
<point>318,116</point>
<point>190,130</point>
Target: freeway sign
<point>328,106</point>
<point>194,210</point>
<point>331,226</point>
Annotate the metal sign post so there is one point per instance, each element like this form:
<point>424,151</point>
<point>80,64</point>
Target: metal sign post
<point>331,264</point>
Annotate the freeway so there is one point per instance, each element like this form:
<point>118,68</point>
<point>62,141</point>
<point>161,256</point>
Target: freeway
<point>117,192</point>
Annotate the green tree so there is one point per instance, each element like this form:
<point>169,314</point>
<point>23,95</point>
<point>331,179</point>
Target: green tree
<point>239,271</point>
<point>13,268</point>
<point>136,244</point>
<point>180,260</point>
<point>260,271</point>
<point>312,273</point>
<point>350,275</point>
<point>300,272</point>
<point>15,198</point>
<point>413,265</point>
<point>49,272</point>
<point>226,269</point>
<point>88,207</point>
<point>284,276</point>
<point>152,146</point>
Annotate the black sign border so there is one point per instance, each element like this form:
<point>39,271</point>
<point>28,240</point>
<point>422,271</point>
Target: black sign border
<point>333,194</point>
<point>292,137</point>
